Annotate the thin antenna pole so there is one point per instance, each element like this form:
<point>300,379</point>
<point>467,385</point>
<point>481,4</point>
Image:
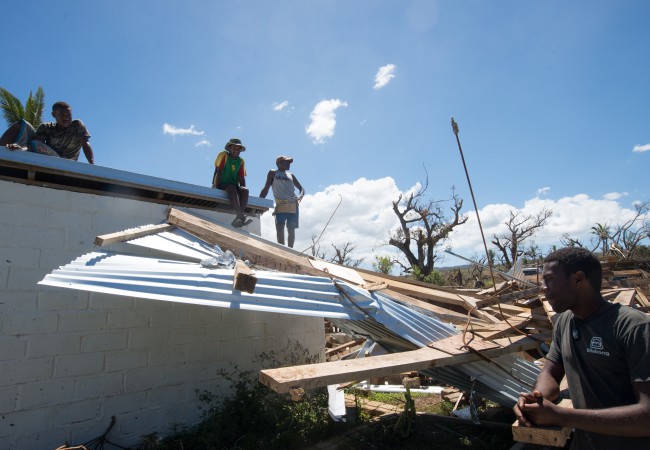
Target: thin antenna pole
<point>454,126</point>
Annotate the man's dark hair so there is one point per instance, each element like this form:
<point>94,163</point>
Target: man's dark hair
<point>60,105</point>
<point>572,259</point>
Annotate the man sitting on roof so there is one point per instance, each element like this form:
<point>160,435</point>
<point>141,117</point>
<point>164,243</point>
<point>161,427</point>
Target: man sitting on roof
<point>229,175</point>
<point>64,138</point>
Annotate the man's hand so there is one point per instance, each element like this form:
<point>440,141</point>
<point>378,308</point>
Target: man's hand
<point>532,408</point>
<point>15,147</point>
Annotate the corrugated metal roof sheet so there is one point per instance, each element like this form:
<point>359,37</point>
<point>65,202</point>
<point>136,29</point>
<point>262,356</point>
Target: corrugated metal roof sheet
<point>393,324</point>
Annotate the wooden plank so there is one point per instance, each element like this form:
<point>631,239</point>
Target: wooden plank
<point>641,298</point>
<point>443,313</point>
<point>337,270</point>
<point>236,240</point>
<point>311,376</point>
<point>550,436</point>
<point>243,279</point>
<point>509,297</point>
<point>625,297</point>
<point>133,233</point>
<point>431,293</point>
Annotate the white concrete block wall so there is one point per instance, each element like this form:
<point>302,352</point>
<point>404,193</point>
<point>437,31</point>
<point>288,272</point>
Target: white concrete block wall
<point>70,360</point>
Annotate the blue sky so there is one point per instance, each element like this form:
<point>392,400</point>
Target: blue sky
<point>551,98</point>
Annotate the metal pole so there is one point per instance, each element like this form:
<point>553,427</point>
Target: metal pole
<point>454,126</point>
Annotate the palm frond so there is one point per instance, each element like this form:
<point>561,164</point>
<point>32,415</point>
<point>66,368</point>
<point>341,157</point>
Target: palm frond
<point>34,107</point>
<point>12,109</point>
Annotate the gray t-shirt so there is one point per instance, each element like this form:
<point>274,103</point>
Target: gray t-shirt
<point>602,356</point>
<point>66,142</point>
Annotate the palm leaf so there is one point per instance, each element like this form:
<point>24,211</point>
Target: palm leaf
<point>34,107</point>
<point>12,109</point>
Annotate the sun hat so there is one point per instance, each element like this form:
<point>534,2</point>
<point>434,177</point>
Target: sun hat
<point>234,141</point>
<point>283,158</point>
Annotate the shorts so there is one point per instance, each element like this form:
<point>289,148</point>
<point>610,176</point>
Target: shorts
<point>24,139</point>
<point>291,219</point>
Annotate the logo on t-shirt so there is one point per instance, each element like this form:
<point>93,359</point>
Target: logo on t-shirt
<point>596,346</point>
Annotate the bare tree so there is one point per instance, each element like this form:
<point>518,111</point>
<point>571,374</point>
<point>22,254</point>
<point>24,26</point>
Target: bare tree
<point>520,228</point>
<point>622,241</point>
<point>626,238</point>
<point>342,255</point>
<point>423,225</point>
<point>314,248</point>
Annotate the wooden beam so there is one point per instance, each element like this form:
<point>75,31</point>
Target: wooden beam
<point>134,233</point>
<point>547,436</point>
<point>243,279</point>
<point>311,376</point>
<point>511,296</point>
<point>625,297</point>
<point>430,293</point>
<point>236,240</point>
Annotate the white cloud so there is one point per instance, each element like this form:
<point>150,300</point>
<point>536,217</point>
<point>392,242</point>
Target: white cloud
<point>384,75</point>
<point>280,106</point>
<point>175,131</point>
<point>203,143</point>
<point>641,148</point>
<point>614,195</point>
<point>323,120</point>
<point>365,217</point>
<point>543,191</point>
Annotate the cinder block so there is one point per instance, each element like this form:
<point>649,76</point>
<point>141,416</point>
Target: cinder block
<point>203,315</point>
<point>251,329</point>
<point>39,237</point>
<point>117,405</point>
<point>186,335</point>
<point>72,220</point>
<point>90,320</point>
<point>237,347</point>
<point>164,316</point>
<point>25,371</point>
<point>98,386</point>
<point>53,345</point>
<point>6,231</point>
<point>148,338</point>
<point>109,302</point>
<point>221,332</point>
<point>106,341</point>
<point>79,243</point>
<point>12,347</point>
<point>126,360</point>
<point>170,355</point>
<point>107,221</point>
<point>79,364</point>
<point>8,399</point>
<point>54,392</point>
<point>51,260</point>
<point>21,214</point>
<point>62,299</point>
<point>17,301</point>
<point>27,323</point>
<point>147,378</point>
<point>121,318</point>
<point>23,279</point>
<point>204,352</point>
<point>43,197</point>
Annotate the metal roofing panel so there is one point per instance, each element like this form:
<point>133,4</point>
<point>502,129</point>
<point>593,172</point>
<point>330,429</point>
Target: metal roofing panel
<point>395,325</point>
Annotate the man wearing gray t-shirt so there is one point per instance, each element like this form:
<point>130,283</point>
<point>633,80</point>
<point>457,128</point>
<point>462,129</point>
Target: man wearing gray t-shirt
<point>604,351</point>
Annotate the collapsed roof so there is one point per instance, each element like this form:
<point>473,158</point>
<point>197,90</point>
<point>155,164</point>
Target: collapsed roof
<point>357,301</point>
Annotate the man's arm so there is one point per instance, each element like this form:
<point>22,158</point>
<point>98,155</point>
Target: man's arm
<point>269,181</point>
<point>88,151</point>
<point>546,390</point>
<point>216,178</point>
<point>628,420</point>
<point>296,183</point>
